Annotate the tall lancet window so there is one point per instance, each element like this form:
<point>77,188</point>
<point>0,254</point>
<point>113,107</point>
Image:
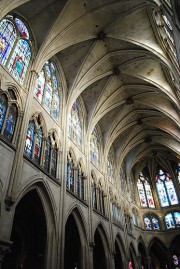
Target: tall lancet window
<point>110,169</point>
<point>75,126</point>
<point>15,46</point>
<point>95,148</point>
<point>165,188</point>
<point>46,89</point>
<point>145,193</point>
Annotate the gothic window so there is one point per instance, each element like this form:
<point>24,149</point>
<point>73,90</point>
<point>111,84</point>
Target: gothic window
<point>50,155</point>
<point>94,195</point>
<point>151,222</point>
<point>34,137</point>
<point>178,173</point>
<point>70,175</point>
<point>80,183</point>
<point>74,125</point>
<point>3,108</point>
<point>110,169</point>
<point>172,220</point>
<point>46,89</point>
<point>165,188</point>
<point>8,115</point>
<point>101,201</point>
<point>95,148</point>
<point>145,193</point>
<point>10,122</point>
<point>15,46</point>
<point>115,212</point>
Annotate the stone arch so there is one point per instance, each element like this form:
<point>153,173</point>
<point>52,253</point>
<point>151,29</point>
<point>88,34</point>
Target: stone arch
<point>142,252</point>
<point>101,252</point>
<point>132,255</point>
<point>158,253</point>
<point>119,252</point>
<point>175,246</point>
<point>75,239</point>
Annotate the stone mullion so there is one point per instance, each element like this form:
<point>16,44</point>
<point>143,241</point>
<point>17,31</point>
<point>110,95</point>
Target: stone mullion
<point>58,164</point>
<point>75,171</point>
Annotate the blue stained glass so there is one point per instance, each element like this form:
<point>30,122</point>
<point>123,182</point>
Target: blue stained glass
<point>155,223</point>
<point>39,90</point>
<point>48,71</point>
<point>169,221</point>
<point>3,108</point>
<point>47,155</point>
<point>177,219</point>
<point>7,39</point>
<point>54,162</point>
<point>38,145</point>
<point>28,150</point>
<point>20,60</point>
<point>56,106</point>
<point>11,122</point>
<point>147,223</point>
<point>22,28</point>
<point>48,97</point>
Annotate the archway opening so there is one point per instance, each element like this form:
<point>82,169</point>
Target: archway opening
<point>99,258</point>
<point>118,258</point>
<point>72,254</point>
<point>158,257</point>
<point>29,233</point>
<point>142,254</point>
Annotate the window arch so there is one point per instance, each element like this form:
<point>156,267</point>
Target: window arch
<point>74,125</point>
<point>15,46</point>
<point>110,170</point>
<point>47,90</point>
<point>34,139</point>
<point>172,220</point>
<point>70,177</point>
<point>145,193</point>
<point>51,154</point>
<point>8,115</point>
<point>151,222</point>
<point>95,148</point>
<point>165,189</point>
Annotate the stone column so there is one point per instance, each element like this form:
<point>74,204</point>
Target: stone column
<point>148,262</point>
<point>91,246</point>
<point>4,248</point>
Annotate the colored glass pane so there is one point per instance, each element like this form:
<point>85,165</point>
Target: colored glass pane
<point>149,196</point>
<point>147,223</point>
<point>171,192</point>
<point>142,195</point>
<point>48,97</point>
<point>155,223</point>
<point>54,162</point>
<point>22,28</point>
<point>11,122</point>
<point>3,108</point>
<point>20,60</point>
<point>95,154</point>
<point>47,156</point>
<point>48,71</point>
<point>38,145</point>
<point>39,89</point>
<point>74,123</point>
<point>94,197</point>
<point>178,172</point>
<point>7,39</point>
<point>177,219</point>
<point>169,221</point>
<point>71,176</point>
<point>30,139</point>
<point>56,105</point>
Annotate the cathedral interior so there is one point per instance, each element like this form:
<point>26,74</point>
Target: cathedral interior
<point>89,134</point>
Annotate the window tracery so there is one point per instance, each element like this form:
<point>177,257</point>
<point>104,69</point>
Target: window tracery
<point>165,189</point>
<point>172,220</point>
<point>15,46</point>
<point>51,154</point>
<point>74,125</point>
<point>145,193</point>
<point>70,173</point>
<point>151,222</point>
<point>95,148</point>
<point>8,115</point>
<point>46,89</point>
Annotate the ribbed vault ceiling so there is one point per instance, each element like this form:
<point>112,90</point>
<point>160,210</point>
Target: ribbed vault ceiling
<point>111,58</point>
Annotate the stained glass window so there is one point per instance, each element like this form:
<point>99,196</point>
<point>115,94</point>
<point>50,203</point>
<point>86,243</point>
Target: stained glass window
<point>15,47</point>
<point>3,108</point>
<point>47,157</point>
<point>54,161</point>
<point>172,220</point>
<point>74,123</point>
<point>110,170</point>
<point>178,173</point>
<point>38,145</point>
<point>151,222</point>
<point>165,188</point>
<point>30,139</point>
<point>46,89</point>
<point>145,193</point>
<point>95,148</point>
<point>11,122</point>
<point>80,183</point>
<point>94,196</point>
<point>70,175</point>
